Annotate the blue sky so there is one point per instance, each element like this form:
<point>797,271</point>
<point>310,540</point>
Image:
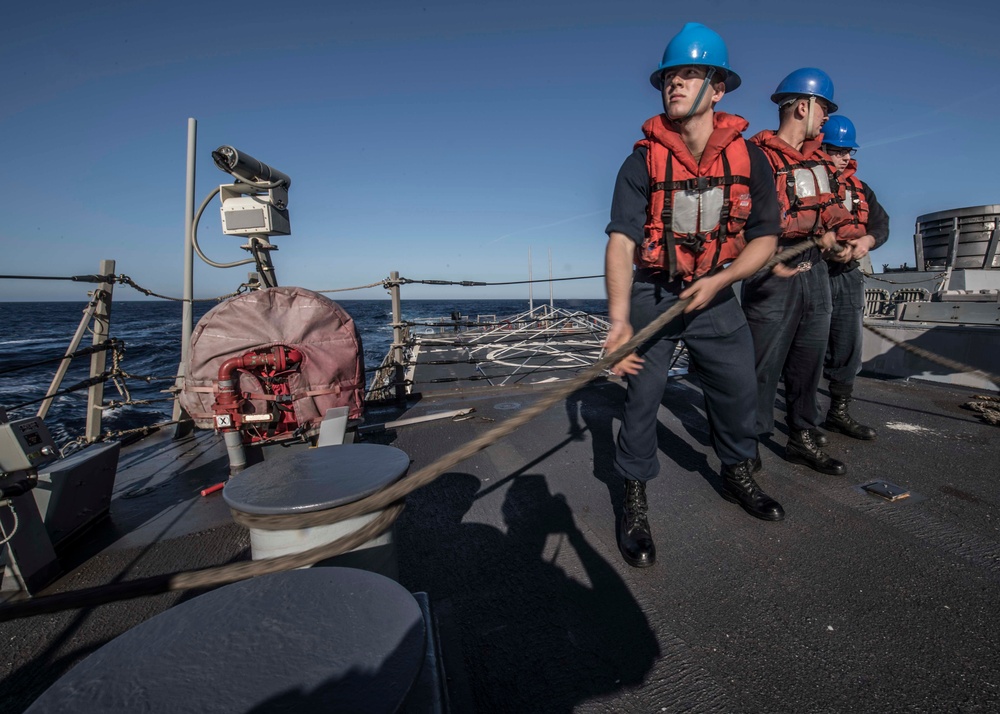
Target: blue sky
<point>440,139</point>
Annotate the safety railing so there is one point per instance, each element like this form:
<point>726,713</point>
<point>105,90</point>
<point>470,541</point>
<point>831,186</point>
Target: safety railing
<point>393,379</point>
<point>97,320</point>
<point>107,365</point>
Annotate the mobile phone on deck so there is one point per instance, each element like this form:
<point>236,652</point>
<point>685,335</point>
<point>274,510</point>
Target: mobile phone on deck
<point>888,491</point>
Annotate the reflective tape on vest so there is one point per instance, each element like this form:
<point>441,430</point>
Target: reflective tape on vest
<point>811,182</point>
<point>697,211</point>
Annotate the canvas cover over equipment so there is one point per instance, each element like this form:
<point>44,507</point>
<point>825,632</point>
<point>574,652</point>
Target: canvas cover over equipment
<point>275,403</point>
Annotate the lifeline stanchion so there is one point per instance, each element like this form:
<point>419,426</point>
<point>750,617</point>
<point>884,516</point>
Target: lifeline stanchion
<point>388,500</point>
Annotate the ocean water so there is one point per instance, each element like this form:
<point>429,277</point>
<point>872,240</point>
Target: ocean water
<point>33,332</point>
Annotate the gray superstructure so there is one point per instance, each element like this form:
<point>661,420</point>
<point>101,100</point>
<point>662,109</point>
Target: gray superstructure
<point>949,305</point>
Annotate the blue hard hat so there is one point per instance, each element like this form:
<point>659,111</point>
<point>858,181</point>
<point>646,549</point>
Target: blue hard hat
<point>697,45</point>
<point>839,131</point>
<point>805,82</point>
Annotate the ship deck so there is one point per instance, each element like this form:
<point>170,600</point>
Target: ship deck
<point>853,603</point>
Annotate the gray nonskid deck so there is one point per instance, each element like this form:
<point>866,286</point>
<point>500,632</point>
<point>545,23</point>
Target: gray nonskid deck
<point>158,524</point>
<point>852,603</point>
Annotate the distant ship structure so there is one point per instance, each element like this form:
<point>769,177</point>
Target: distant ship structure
<point>949,304</point>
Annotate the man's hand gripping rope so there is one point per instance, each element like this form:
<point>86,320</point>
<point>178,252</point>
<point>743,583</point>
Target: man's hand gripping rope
<point>623,359</point>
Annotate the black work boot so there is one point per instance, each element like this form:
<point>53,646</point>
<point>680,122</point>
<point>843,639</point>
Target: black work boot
<point>803,449</point>
<point>634,539</point>
<point>819,437</point>
<point>739,487</point>
<point>839,419</point>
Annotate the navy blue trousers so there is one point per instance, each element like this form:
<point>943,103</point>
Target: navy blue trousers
<point>790,322</point>
<point>843,350</point>
<point>719,347</point>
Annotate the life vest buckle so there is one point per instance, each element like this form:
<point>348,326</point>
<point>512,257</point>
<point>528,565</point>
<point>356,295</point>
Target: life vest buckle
<point>694,242</point>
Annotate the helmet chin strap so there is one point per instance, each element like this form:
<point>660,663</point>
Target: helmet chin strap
<point>701,95</point>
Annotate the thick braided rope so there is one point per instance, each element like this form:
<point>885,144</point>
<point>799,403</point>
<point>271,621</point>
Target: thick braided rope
<point>209,577</point>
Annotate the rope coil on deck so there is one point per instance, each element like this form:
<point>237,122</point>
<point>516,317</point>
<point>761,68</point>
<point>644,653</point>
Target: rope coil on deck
<point>987,406</point>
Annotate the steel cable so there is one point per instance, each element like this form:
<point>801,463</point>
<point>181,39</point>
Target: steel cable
<point>83,351</point>
<point>73,278</point>
<point>478,283</point>
<point>380,283</point>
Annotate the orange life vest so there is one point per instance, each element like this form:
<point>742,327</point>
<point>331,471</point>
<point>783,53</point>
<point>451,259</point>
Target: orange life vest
<point>697,210</point>
<point>852,195</point>
<point>806,194</point>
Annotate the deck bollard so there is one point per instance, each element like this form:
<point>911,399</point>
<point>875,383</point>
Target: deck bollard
<point>316,480</point>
